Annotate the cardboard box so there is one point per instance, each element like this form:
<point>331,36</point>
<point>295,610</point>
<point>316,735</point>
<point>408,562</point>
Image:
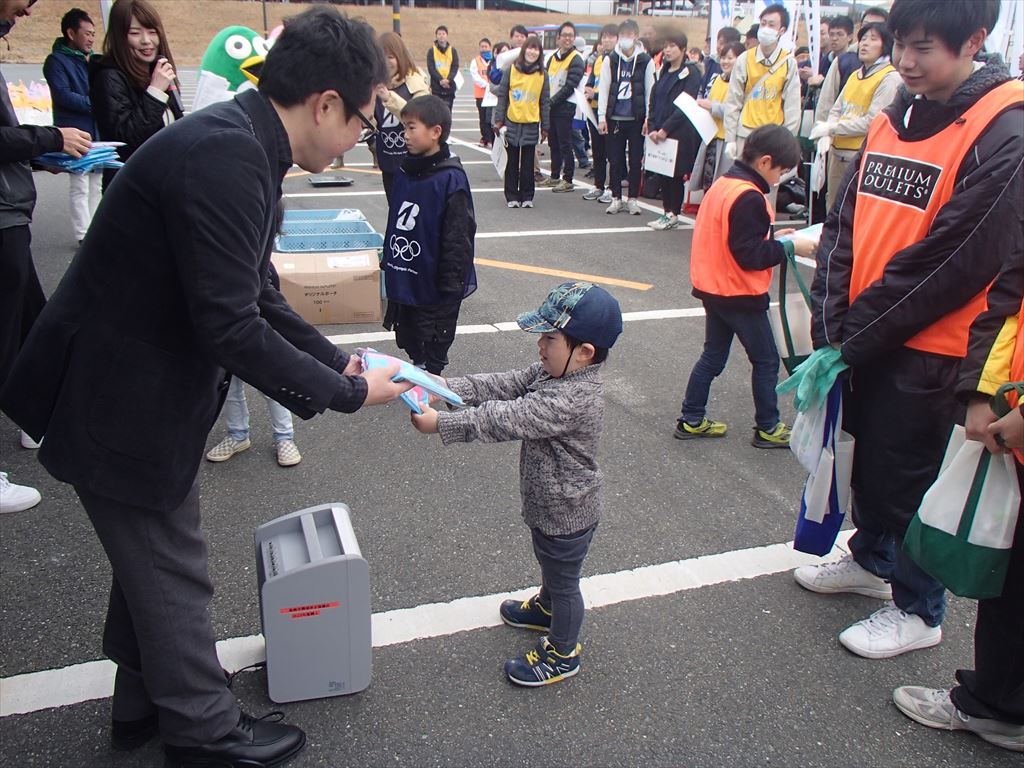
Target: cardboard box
<point>327,288</point>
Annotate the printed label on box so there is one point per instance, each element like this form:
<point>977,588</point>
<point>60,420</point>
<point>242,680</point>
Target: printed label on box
<point>355,261</point>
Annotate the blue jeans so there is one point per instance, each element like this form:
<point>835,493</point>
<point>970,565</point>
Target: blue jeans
<point>755,334</point>
<point>236,412</point>
<point>880,551</point>
<point>561,561</point>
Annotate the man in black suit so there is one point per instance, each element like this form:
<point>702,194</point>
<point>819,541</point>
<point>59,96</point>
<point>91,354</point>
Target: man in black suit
<point>124,371</point>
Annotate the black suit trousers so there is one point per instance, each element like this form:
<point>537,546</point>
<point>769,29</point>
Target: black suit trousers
<point>21,297</point>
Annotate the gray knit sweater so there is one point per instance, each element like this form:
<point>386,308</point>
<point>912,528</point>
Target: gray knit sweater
<point>559,422</point>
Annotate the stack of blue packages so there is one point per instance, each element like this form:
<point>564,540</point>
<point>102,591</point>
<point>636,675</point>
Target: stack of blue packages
<point>102,154</point>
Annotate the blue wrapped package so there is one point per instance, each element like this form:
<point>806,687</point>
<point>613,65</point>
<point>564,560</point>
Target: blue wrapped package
<point>418,397</point>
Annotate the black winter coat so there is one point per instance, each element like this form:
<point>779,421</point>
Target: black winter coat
<point>124,371</point>
<point>663,114</point>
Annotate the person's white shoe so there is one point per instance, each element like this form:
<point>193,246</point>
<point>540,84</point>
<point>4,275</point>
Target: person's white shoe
<point>288,453</point>
<point>227,448</point>
<point>844,575</point>
<point>933,707</point>
<point>16,498</point>
<point>889,632</point>
<point>606,197</point>
<point>28,442</point>
<point>616,206</point>
<point>513,203</point>
<point>527,203</point>
<point>665,221</point>
<point>633,207</point>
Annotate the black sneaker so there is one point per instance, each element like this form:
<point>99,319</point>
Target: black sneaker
<point>543,665</point>
<point>526,614</point>
<point>253,743</point>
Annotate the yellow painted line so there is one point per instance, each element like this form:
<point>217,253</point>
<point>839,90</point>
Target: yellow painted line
<point>562,273</point>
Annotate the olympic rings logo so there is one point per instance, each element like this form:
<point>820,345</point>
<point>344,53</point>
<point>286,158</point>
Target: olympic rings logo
<point>406,250</point>
<point>392,141</point>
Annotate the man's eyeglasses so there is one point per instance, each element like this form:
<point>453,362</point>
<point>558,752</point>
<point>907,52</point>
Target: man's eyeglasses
<point>369,129</point>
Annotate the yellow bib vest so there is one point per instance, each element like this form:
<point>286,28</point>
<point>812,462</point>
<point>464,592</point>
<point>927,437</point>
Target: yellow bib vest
<point>716,95</point>
<point>762,102</point>
<point>443,62</point>
<point>559,70</point>
<point>598,62</point>
<point>524,96</point>
<point>857,95</point>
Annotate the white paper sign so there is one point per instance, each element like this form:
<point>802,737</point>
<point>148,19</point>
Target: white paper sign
<point>489,99</point>
<point>700,117</point>
<point>660,158</point>
<point>579,98</point>
<point>499,155</point>
<point>459,80</point>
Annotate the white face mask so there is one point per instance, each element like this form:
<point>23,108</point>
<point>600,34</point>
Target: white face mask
<point>767,36</point>
<point>626,44</point>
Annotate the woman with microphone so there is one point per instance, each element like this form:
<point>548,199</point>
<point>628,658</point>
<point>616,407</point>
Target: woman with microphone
<point>133,86</point>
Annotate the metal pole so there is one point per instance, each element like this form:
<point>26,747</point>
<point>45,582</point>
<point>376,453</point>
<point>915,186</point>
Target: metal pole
<point>266,28</point>
<point>396,16</point>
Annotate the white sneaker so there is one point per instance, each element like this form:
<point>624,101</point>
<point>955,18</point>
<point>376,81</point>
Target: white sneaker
<point>665,221</point>
<point>606,197</point>
<point>513,203</point>
<point>28,442</point>
<point>527,203</point>
<point>288,453</point>
<point>934,708</point>
<point>844,575</point>
<point>633,207</point>
<point>616,206</point>
<point>227,448</point>
<point>16,498</point>
<point>889,632</point>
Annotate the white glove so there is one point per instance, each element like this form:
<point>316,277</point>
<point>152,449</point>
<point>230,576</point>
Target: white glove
<point>730,150</point>
<point>821,129</point>
<point>824,144</point>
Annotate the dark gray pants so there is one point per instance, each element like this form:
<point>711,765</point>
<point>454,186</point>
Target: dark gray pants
<point>158,629</point>
<point>561,561</point>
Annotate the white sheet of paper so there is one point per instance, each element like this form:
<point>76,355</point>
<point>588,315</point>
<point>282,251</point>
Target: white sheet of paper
<point>499,155</point>
<point>579,98</point>
<point>459,80</point>
<point>700,117</point>
<point>489,99</point>
<point>661,158</point>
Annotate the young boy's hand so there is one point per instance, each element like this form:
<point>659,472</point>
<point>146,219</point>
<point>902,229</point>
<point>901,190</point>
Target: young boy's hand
<point>803,247</point>
<point>1010,429</point>
<point>425,422</point>
<point>440,380</point>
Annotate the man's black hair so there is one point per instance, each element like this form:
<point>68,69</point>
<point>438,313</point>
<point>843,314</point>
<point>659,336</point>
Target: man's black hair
<point>752,32</point>
<point>883,32</point>
<point>728,35</point>
<point>630,25</point>
<point>841,22</point>
<point>801,50</point>
<point>520,29</point>
<point>779,9</point>
<point>73,20</point>
<point>874,11</point>
<point>773,140</point>
<point>484,40</point>
<point>567,24</point>
<point>431,111</point>
<point>609,29</point>
<point>600,353</point>
<point>951,21</point>
<point>323,50</point>
<point>440,28</point>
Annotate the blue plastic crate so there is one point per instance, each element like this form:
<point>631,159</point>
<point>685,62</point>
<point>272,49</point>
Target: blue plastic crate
<point>332,241</point>
<point>331,214</point>
<point>325,228</point>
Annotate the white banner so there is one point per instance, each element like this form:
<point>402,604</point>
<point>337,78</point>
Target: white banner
<point>660,158</point>
<point>700,117</point>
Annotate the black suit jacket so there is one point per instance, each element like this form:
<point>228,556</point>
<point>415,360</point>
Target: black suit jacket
<point>124,371</point>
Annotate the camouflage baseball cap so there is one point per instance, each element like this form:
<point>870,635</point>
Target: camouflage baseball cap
<point>583,310</point>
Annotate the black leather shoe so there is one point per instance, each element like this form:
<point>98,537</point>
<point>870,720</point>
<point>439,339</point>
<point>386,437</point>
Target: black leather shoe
<point>251,744</point>
<point>126,735</point>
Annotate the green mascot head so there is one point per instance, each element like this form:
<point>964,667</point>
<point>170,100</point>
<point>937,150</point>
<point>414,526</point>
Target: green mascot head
<point>230,64</point>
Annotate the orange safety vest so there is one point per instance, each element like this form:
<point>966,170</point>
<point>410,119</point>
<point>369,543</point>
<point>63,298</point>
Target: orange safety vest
<point>902,187</point>
<point>713,268</point>
<point>481,69</point>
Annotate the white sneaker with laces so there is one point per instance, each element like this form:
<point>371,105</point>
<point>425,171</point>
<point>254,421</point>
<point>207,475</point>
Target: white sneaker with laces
<point>28,442</point>
<point>227,448</point>
<point>16,498</point>
<point>633,207</point>
<point>933,707</point>
<point>844,575</point>
<point>658,222</point>
<point>288,453</point>
<point>889,632</point>
<point>616,206</point>
<point>665,221</point>
<point>606,197</point>
<point>513,203</point>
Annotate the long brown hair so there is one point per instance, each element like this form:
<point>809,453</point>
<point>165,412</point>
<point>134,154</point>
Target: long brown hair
<point>115,44</point>
<point>394,45</point>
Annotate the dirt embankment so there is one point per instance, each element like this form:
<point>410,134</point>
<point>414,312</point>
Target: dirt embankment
<point>191,24</point>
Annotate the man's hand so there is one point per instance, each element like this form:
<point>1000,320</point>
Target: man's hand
<point>816,80</point>
<point>602,127</point>
<point>76,142</point>
<point>379,386</point>
<point>704,104</point>
<point>543,135</point>
<point>588,92</point>
<point>979,417</point>
<point>1010,428</point>
<point>445,83</point>
<point>425,422</point>
<point>498,127</point>
<point>354,366</point>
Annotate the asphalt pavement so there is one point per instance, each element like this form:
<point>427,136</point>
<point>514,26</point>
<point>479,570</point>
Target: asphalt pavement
<point>740,673</point>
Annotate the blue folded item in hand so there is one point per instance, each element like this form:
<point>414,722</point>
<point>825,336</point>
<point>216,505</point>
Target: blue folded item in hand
<point>101,155</point>
<point>419,396</point>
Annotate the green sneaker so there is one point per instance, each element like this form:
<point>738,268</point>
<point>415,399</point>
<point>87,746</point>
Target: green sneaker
<point>707,428</point>
<point>777,438</point>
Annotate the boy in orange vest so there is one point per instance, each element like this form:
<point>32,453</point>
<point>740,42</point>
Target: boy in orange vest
<point>915,276</point>
<point>731,263</point>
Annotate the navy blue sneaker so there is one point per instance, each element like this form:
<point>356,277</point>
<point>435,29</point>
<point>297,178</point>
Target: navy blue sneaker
<point>526,614</point>
<point>543,665</point>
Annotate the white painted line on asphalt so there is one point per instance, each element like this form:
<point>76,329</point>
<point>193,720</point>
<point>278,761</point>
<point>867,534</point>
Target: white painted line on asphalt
<point>550,232</point>
<point>374,192</point>
<point>36,691</point>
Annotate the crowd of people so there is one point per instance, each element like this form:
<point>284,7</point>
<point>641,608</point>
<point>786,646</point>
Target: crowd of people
<point>918,290</point>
